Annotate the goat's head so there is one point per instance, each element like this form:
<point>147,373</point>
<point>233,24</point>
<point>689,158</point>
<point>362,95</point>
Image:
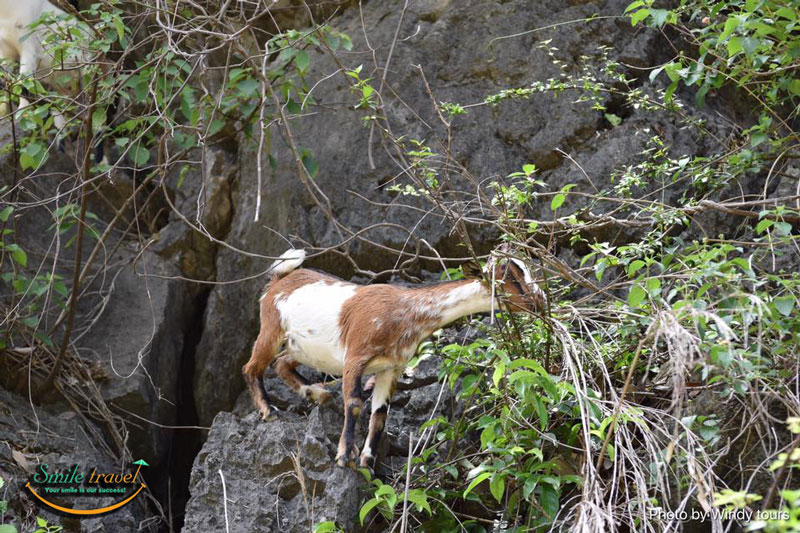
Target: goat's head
<point>513,283</point>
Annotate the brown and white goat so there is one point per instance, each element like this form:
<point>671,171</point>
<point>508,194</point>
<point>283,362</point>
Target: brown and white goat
<point>352,330</point>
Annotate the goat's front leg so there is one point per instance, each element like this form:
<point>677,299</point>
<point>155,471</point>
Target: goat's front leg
<point>384,385</point>
<point>353,403</point>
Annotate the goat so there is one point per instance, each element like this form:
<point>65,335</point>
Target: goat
<point>350,330</point>
<point>20,42</point>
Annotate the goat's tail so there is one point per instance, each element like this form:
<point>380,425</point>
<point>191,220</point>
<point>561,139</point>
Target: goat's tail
<point>288,261</point>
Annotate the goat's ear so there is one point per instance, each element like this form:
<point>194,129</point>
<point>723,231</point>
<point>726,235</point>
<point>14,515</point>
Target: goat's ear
<point>472,270</point>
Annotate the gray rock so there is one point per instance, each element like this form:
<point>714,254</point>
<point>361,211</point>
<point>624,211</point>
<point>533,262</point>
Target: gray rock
<point>279,475</point>
<point>138,339</point>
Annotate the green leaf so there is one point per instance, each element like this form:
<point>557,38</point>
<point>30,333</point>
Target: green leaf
<point>326,527</point>
<point>310,163</point>
<point>764,225</point>
<point>541,411</point>
<point>670,91</point>
<point>216,126</point>
<point>477,481</point>
<point>499,372</point>
<point>249,87</point>
<point>18,254</point>
<point>140,154</point>
<point>558,199</point>
<point>420,499</point>
<point>347,44</point>
<point>528,169</point>
<point>549,500</point>
<point>528,363</point>
<point>794,87</point>
<point>497,487</point>
<point>32,155</point>
<point>367,507</point>
<point>787,13</point>
<point>98,119</point>
<point>734,46</point>
<point>730,26</point>
<point>613,119</point>
<point>4,214</point>
<point>631,7</point>
<point>487,436</point>
<point>758,138</point>
<point>301,60</point>
<point>659,16</point>
<point>639,16</point>
<point>7,528</point>
<point>784,304</point>
<point>783,228</point>
<point>634,267</point>
<point>636,295</point>
<point>120,26</point>
<point>653,286</point>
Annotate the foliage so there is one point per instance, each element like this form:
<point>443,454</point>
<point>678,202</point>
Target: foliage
<point>552,413</point>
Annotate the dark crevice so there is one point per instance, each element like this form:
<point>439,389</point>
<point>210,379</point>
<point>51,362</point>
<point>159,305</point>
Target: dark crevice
<point>616,106</point>
<point>186,443</point>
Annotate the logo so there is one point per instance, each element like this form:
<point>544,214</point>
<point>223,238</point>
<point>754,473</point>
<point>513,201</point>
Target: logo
<point>48,483</point>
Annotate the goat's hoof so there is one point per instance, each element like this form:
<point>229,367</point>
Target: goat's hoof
<point>348,459</point>
<point>344,461</point>
<point>269,416</point>
<point>367,461</point>
<point>316,393</point>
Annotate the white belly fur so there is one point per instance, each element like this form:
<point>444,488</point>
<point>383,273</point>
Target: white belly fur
<point>310,319</point>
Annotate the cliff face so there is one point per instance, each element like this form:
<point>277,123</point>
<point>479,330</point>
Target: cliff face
<point>172,350</point>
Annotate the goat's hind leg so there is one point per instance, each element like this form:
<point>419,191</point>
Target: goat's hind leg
<point>286,367</point>
<point>262,356</point>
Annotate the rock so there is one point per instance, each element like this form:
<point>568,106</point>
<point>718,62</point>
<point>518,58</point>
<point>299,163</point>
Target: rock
<point>202,199</point>
<point>138,337</point>
<point>279,475</point>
